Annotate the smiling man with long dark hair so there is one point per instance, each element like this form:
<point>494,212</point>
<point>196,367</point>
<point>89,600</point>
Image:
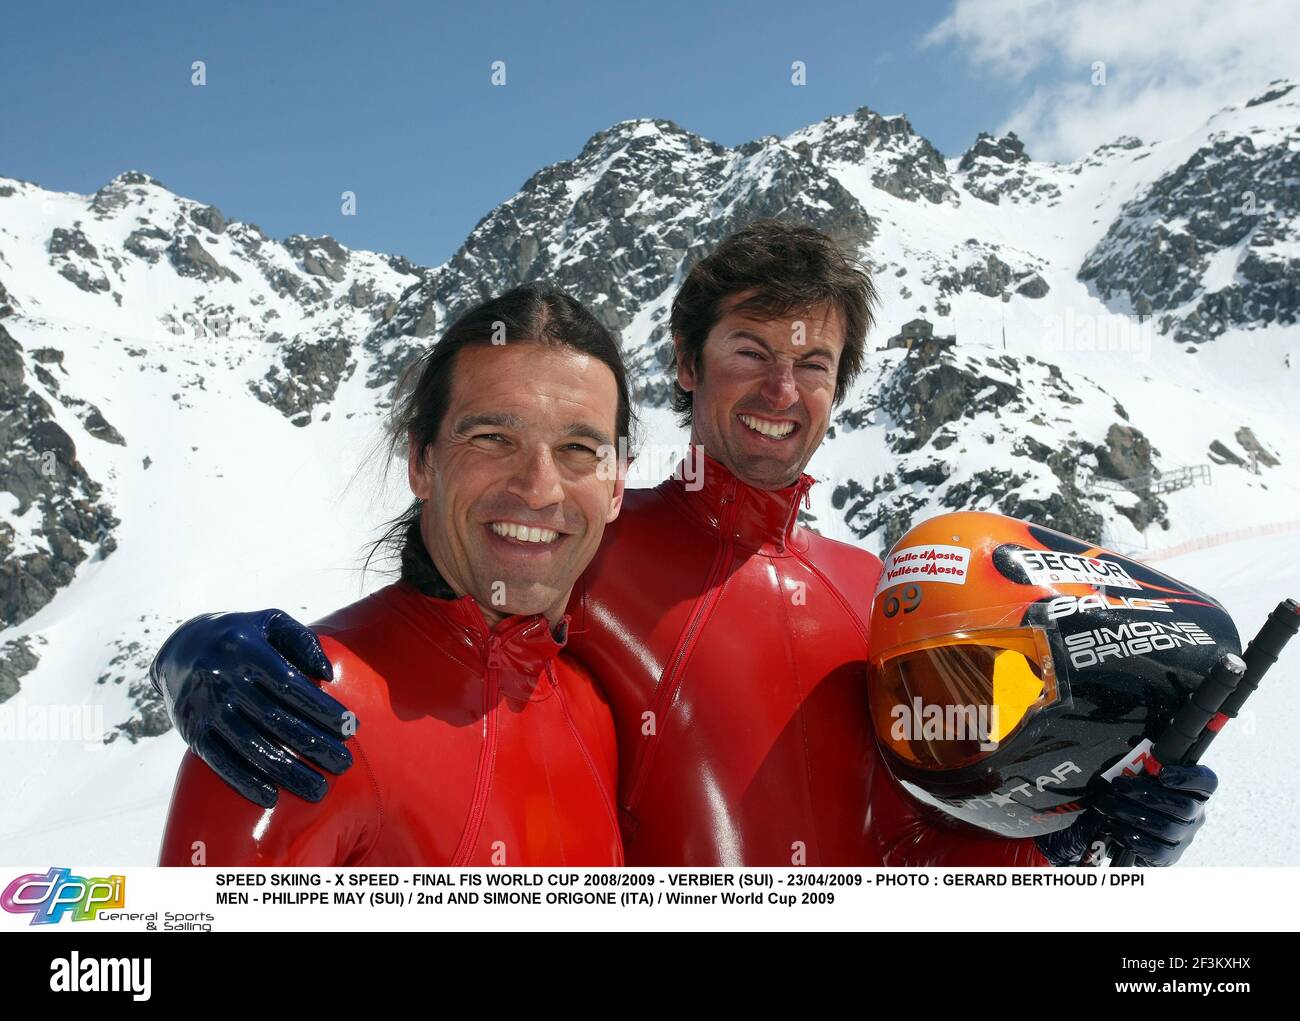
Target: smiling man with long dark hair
<point>483,743</point>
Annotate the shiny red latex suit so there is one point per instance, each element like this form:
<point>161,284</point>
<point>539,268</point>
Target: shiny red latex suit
<point>478,747</point>
<point>732,646</point>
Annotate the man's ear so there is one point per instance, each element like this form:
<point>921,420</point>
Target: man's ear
<point>417,468</point>
<point>686,367</point>
<point>616,501</point>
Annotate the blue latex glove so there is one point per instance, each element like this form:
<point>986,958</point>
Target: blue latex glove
<point>234,686</point>
<point>1156,817</point>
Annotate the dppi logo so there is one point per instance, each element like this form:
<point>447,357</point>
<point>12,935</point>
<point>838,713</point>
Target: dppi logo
<point>47,898</point>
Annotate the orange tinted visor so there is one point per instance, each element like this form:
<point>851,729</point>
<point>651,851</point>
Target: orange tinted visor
<point>950,702</point>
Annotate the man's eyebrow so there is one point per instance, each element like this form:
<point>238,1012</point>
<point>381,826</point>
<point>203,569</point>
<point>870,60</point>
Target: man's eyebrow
<point>825,352</point>
<point>503,419</point>
<point>598,436</point>
<point>506,420</point>
<point>747,335</point>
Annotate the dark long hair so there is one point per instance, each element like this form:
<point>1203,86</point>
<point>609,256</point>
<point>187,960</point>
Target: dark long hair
<point>531,313</point>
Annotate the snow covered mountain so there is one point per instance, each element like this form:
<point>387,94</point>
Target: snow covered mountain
<point>184,402</point>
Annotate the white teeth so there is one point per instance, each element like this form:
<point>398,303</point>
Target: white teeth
<point>510,530</point>
<point>768,428</point>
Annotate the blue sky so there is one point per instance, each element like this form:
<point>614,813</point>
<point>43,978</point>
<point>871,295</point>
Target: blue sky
<point>394,101</point>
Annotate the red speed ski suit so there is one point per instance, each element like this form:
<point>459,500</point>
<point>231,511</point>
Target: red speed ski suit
<point>732,646</point>
<point>477,746</point>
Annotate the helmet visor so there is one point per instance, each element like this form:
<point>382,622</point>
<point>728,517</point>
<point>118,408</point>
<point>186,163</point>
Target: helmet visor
<point>950,702</point>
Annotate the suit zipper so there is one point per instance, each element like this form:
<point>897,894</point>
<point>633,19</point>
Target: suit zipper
<point>591,763</point>
<point>672,679</point>
<point>801,495</point>
<point>487,755</point>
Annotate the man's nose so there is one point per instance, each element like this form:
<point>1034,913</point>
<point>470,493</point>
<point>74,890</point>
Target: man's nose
<point>536,478</point>
<point>779,389</point>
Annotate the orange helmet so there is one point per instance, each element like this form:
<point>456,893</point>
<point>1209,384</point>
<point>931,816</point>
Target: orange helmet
<point>1011,666</point>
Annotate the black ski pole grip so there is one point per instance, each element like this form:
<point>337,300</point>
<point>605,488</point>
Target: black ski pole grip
<point>1204,705</point>
<point>1260,655</point>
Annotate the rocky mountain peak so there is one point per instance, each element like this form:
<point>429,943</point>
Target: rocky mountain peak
<point>1276,90</point>
<point>1006,149</point>
<point>997,168</point>
<point>900,162</point>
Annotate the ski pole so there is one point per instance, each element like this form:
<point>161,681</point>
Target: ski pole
<point>1187,725</point>
<point>1264,649</point>
<point>1260,655</point>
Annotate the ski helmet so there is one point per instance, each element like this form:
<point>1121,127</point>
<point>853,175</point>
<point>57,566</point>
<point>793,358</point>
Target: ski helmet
<point>1011,666</point>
